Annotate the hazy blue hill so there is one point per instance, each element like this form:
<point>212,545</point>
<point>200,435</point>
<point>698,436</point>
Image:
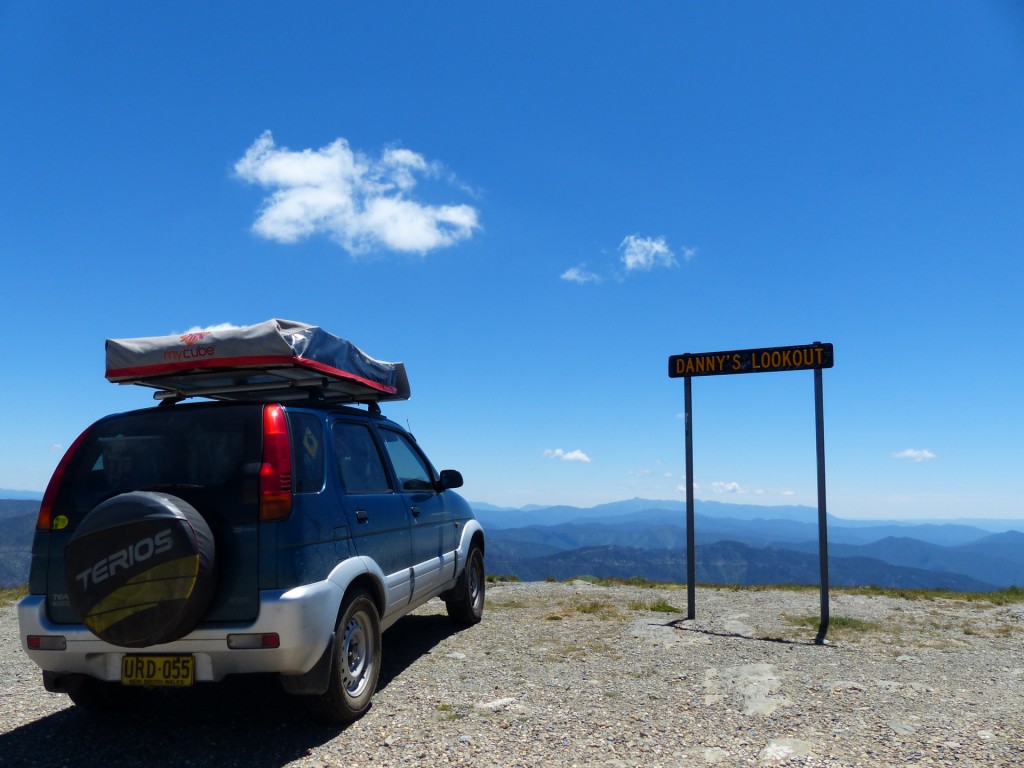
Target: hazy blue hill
<point>946,534</point>
<point>513,548</point>
<point>505,517</point>
<point>986,524</point>
<point>646,534</point>
<point>18,507</point>
<point>755,511</point>
<point>997,559</point>
<point>724,562</point>
<point>603,562</point>
<point>7,493</point>
<point>768,529</point>
<point>1009,544</point>
<point>646,512</point>
<point>483,506</point>
<point>537,540</point>
<point>16,547</point>
<point>732,562</point>
<point>17,524</point>
<point>864,571</point>
<point>907,553</point>
<point>655,529</point>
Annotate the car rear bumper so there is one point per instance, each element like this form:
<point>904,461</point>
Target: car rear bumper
<point>303,619</point>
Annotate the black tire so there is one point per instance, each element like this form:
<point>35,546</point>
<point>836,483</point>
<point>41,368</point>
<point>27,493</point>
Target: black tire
<point>141,569</point>
<point>356,664</point>
<point>465,603</point>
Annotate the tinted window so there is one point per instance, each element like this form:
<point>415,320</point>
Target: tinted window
<point>209,456</point>
<point>414,474</point>
<point>308,450</point>
<point>362,470</point>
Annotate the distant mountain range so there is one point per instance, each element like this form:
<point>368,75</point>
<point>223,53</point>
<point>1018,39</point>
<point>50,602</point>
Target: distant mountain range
<point>748,544</point>
<point>17,522</point>
<point>7,493</point>
<point>735,544</point>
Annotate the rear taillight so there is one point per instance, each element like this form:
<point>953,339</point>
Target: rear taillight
<point>45,519</point>
<point>46,642</point>
<point>254,641</point>
<point>276,469</point>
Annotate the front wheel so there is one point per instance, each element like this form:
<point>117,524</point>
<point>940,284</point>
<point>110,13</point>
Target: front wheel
<point>356,663</point>
<point>466,604</point>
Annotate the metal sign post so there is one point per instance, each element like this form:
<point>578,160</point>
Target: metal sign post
<point>691,565</point>
<point>819,427</point>
<point>814,357</point>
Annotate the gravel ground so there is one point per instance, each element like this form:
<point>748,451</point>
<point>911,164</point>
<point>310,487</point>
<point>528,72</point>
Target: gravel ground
<point>582,675</point>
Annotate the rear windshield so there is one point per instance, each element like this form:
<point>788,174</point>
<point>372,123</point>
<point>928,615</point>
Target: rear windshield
<point>208,455</point>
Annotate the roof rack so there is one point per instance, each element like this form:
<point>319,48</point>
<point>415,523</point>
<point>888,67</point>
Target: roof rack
<point>274,361</point>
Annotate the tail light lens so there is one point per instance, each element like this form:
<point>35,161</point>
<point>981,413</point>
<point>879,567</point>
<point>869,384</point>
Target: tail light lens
<point>45,519</point>
<point>276,469</point>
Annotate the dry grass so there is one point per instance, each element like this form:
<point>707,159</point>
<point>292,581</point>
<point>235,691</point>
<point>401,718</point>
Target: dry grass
<point>839,627</point>
<point>12,594</point>
<point>657,606</point>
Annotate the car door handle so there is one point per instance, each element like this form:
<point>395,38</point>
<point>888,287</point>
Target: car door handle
<point>415,511</point>
<point>362,515</point>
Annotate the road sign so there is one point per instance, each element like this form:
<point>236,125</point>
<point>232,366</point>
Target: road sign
<point>799,358</point>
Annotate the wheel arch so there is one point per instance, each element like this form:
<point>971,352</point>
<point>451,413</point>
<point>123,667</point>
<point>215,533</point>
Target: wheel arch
<point>357,573</point>
<point>472,535</point>
<point>371,585</point>
<point>361,573</point>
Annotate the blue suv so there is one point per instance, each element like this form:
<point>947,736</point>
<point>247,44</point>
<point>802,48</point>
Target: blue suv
<point>274,529</point>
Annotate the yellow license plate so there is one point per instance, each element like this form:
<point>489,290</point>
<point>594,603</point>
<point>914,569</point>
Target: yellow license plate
<point>175,671</point>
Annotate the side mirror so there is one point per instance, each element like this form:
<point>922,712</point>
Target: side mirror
<point>450,478</point>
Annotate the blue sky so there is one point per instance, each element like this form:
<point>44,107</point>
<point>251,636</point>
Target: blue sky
<point>533,205</point>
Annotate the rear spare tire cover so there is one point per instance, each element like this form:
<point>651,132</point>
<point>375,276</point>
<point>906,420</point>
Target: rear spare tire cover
<point>140,569</point>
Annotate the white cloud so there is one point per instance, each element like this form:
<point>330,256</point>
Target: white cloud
<point>636,254</point>
<point>576,455</point>
<point>645,253</point>
<point>580,275</point>
<point>361,203</point>
<point>915,455</point>
<point>209,328</point>
<point>734,488</point>
<point>720,487</point>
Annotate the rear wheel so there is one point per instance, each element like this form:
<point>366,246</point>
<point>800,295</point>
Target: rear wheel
<point>356,663</point>
<point>466,603</point>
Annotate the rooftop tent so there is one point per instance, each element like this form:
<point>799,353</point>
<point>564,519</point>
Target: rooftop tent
<point>277,360</point>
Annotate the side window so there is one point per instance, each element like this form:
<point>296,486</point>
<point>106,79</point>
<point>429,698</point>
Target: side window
<point>308,448</point>
<point>413,473</point>
<point>362,470</point>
